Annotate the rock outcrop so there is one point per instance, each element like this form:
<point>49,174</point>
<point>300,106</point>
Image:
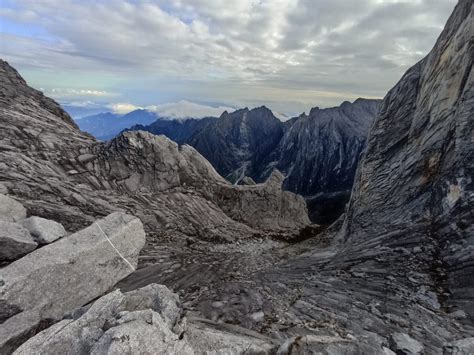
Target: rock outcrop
<point>145,321</point>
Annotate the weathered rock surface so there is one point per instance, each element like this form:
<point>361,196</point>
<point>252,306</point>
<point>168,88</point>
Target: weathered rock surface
<point>15,241</point>
<point>59,277</point>
<point>145,321</point>
<point>61,173</point>
<point>11,210</point>
<point>44,231</point>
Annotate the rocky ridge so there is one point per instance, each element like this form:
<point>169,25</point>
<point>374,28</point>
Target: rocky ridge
<point>59,172</point>
<point>317,153</point>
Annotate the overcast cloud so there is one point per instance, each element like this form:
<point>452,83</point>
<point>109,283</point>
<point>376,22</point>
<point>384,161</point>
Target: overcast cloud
<point>288,54</point>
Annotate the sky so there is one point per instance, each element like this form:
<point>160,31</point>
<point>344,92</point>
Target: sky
<point>180,55</point>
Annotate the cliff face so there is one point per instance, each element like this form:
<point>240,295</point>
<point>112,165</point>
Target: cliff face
<point>61,173</point>
<point>415,185</point>
<point>319,155</point>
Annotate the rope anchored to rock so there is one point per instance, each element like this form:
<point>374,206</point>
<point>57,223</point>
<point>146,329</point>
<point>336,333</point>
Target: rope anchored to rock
<point>113,246</point>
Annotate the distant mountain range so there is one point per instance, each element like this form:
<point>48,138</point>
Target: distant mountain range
<point>107,125</point>
<point>318,153</point>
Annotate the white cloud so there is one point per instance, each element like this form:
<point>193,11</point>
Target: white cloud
<point>173,110</point>
<point>251,48</point>
<point>123,108</point>
<point>187,109</point>
<point>61,92</point>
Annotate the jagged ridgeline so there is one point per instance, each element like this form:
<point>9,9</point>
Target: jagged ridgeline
<point>394,275</point>
<point>318,153</point>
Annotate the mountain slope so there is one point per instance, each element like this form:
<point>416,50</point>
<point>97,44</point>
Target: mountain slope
<point>319,154</point>
<point>60,172</point>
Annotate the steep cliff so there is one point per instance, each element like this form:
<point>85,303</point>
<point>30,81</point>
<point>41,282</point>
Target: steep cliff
<point>319,154</point>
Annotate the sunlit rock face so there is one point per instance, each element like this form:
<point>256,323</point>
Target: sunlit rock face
<point>415,185</point>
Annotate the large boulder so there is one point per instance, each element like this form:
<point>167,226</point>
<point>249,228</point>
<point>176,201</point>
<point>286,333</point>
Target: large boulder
<point>117,323</point>
<point>69,273</point>
<point>15,241</point>
<point>11,210</point>
<point>43,230</point>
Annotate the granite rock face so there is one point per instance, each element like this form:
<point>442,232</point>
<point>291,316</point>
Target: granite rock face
<point>415,185</point>
<point>61,173</point>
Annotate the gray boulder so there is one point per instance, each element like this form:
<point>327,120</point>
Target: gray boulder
<point>11,210</point>
<point>117,323</point>
<point>15,241</point>
<point>65,275</point>
<point>43,230</point>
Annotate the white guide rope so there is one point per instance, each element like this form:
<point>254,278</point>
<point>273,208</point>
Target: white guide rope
<point>113,246</point>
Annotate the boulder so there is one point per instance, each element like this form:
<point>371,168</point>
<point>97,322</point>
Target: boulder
<point>11,210</point>
<point>403,344</point>
<point>62,276</point>
<point>15,241</point>
<point>157,298</point>
<point>117,323</point>
<point>44,231</point>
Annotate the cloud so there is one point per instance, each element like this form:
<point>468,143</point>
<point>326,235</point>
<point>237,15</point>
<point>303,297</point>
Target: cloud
<point>123,108</point>
<point>64,93</point>
<point>173,110</point>
<point>241,49</point>
<point>187,109</point>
